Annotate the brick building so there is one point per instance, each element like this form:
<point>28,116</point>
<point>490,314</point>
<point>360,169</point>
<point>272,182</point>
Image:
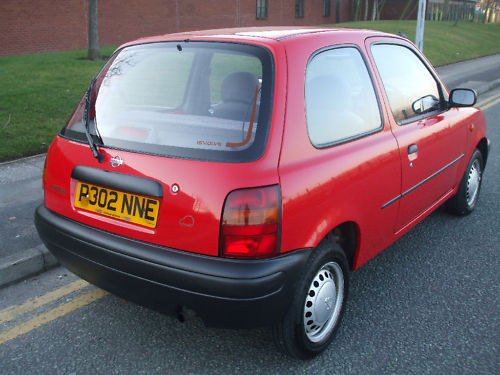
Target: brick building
<point>28,26</point>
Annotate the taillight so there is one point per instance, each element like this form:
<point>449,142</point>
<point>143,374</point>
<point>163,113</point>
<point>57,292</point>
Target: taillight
<point>251,223</point>
<point>44,173</point>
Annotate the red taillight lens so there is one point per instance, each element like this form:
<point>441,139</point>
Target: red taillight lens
<point>250,223</point>
<point>44,173</point>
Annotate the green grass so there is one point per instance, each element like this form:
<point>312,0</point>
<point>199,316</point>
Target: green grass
<point>38,92</point>
<point>443,42</point>
<point>37,95</point>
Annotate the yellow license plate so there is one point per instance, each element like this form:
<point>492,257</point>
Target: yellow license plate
<point>117,204</point>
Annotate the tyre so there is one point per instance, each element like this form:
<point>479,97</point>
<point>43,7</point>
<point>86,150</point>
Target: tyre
<point>464,201</point>
<point>318,304</point>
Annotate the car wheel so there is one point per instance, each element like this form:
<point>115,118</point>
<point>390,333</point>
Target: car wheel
<point>318,304</point>
<point>464,201</point>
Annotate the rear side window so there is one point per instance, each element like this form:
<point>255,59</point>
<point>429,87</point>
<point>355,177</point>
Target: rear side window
<point>410,87</point>
<point>199,100</point>
<point>340,98</point>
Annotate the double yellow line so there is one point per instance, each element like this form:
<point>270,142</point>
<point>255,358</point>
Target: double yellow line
<point>490,102</point>
<point>16,311</point>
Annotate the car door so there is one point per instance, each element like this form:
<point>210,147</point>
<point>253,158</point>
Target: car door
<point>339,161</point>
<point>430,147</point>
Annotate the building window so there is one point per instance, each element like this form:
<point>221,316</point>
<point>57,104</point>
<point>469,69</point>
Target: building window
<point>326,8</point>
<point>261,9</point>
<point>299,8</point>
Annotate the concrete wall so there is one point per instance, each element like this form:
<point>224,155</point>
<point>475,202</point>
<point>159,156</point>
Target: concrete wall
<point>28,26</point>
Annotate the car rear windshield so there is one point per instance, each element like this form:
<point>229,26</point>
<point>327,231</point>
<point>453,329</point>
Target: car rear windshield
<point>196,100</point>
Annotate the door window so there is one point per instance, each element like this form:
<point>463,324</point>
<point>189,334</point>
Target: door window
<point>412,91</point>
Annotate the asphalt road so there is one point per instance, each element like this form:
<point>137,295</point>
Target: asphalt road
<point>429,304</point>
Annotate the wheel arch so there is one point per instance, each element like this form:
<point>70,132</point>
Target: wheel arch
<point>483,147</point>
<point>346,235</point>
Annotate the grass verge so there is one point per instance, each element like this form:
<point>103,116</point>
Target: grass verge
<point>443,42</point>
<point>38,92</point>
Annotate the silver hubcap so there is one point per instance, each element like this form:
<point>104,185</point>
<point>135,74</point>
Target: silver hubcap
<point>473,182</point>
<point>324,302</point>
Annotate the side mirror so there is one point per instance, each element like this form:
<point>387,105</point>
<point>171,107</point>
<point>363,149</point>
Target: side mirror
<point>462,98</point>
<point>425,104</point>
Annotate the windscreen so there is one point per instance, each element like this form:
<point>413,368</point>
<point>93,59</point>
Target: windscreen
<point>199,100</point>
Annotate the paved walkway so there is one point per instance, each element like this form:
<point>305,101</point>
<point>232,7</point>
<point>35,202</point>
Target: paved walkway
<point>21,251</point>
<point>481,74</point>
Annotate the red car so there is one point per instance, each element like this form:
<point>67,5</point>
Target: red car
<point>243,173</point>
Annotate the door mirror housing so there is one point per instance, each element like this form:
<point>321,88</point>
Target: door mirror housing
<point>425,104</point>
<point>462,98</point>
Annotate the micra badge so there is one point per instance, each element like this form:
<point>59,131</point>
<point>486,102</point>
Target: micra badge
<point>116,161</point>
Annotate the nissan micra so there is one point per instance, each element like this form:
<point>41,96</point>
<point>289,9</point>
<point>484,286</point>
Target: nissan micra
<point>243,173</point>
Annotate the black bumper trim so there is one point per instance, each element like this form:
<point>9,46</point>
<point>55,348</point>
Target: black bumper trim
<point>224,292</point>
<point>120,181</point>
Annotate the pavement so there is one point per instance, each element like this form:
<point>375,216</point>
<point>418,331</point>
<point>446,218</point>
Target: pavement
<point>482,74</point>
<point>22,253</point>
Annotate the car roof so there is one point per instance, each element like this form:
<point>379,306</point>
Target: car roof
<point>274,33</point>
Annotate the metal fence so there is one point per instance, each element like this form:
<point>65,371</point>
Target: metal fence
<point>464,11</point>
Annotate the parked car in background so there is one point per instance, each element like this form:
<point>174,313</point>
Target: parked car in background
<point>243,173</point>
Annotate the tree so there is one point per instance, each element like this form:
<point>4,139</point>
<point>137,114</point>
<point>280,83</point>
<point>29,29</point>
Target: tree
<point>93,34</point>
<point>490,9</point>
<point>374,10</point>
<point>408,10</point>
<point>377,9</point>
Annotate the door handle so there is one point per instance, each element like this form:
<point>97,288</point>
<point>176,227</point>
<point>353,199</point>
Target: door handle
<point>412,149</point>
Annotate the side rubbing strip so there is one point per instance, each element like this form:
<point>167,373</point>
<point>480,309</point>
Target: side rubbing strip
<point>392,201</point>
<point>421,182</point>
<point>118,181</point>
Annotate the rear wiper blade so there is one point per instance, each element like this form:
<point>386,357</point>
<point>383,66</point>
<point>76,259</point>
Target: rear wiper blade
<point>93,147</point>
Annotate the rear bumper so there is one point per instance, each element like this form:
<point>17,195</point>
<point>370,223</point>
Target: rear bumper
<point>223,292</point>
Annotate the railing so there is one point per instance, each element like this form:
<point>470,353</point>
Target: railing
<point>463,11</point>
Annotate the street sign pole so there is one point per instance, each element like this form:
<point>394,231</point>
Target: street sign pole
<point>419,40</point>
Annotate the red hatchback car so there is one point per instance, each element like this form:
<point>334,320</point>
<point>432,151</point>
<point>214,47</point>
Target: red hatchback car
<point>242,173</point>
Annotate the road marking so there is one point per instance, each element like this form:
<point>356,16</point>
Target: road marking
<point>12,312</point>
<point>487,102</point>
<point>490,104</point>
<point>53,314</point>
